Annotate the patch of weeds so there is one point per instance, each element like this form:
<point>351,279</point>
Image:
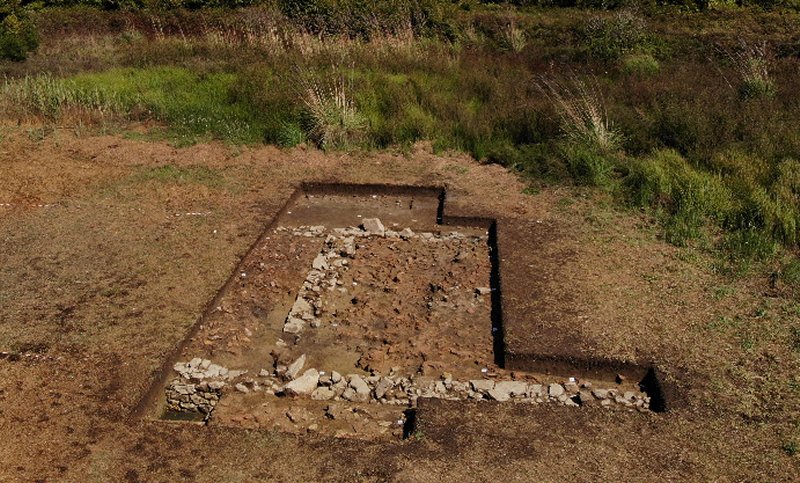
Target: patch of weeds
<point>457,169</point>
<point>584,119</point>
<point>192,105</point>
<point>38,134</point>
<point>641,65</point>
<point>722,292</point>
<point>290,134</point>
<point>331,117</point>
<point>722,323</point>
<point>531,191</point>
<point>752,63</point>
<point>747,344</point>
<point>790,273</point>
<point>687,198</point>
<point>791,448</point>
<point>650,277</point>
<point>589,167</point>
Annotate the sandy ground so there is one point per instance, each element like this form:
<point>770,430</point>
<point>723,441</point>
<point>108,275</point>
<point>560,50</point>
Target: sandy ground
<point>98,288</point>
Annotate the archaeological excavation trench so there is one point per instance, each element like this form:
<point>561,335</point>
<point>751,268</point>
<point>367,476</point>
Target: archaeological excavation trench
<point>357,301</point>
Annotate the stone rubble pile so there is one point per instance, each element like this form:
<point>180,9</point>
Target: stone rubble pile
<point>199,388</point>
<point>328,265</point>
<point>199,385</point>
<point>404,391</point>
<point>374,227</point>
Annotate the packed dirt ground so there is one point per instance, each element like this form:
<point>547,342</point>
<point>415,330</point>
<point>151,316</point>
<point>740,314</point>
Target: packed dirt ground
<point>99,286</point>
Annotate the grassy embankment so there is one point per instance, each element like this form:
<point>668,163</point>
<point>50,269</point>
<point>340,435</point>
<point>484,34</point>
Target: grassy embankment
<point>691,117</point>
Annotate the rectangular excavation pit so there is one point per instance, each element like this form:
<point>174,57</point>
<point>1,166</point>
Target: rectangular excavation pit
<point>331,328</point>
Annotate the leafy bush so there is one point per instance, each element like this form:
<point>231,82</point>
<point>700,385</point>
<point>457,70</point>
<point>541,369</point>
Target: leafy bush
<point>609,38</point>
<point>18,35</point>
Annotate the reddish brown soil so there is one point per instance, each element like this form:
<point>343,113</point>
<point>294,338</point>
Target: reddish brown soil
<point>101,288</point>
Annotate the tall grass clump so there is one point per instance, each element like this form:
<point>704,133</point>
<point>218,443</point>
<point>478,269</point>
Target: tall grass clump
<point>55,98</point>
<point>590,139</point>
<point>514,37</point>
<point>582,112</point>
<point>752,63</point>
<point>332,119</point>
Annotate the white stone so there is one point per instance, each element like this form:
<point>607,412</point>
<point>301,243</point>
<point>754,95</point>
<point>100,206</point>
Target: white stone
<point>499,396</point>
<point>301,307</point>
<point>322,394</point>
<point>360,387</point>
<point>373,226</point>
<point>555,390</point>
<point>512,388</point>
<point>303,385</point>
<point>294,325</point>
<point>295,367</point>
<point>481,385</point>
<point>320,262</point>
<point>406,234</point>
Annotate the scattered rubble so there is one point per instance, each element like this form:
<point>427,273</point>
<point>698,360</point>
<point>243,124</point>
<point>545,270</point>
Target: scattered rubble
<point>328,266</point>
<point>199,393</point>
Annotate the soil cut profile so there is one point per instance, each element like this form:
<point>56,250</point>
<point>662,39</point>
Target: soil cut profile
<point>355,303</point>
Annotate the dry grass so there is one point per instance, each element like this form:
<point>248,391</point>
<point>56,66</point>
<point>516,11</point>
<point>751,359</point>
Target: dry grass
<point>581,109</point>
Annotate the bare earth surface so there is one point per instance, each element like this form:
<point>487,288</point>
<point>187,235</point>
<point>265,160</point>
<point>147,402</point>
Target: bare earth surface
<point>103,282</point>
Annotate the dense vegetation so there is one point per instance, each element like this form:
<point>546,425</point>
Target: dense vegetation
<point>690,116</point>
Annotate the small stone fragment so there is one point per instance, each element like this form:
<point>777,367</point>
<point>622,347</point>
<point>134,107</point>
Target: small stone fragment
<point>295,367</point>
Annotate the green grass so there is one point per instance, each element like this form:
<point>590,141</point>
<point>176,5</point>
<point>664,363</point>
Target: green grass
<point>193,106</point>
<point>715,168</point>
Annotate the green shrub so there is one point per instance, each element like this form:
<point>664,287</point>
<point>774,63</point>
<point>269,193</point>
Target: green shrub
<point>609,38</point>
<point>587,165</point>
<point>290,134</point>
<point>18,35</point>
<point>642,65</point>
<point>365,19</point>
